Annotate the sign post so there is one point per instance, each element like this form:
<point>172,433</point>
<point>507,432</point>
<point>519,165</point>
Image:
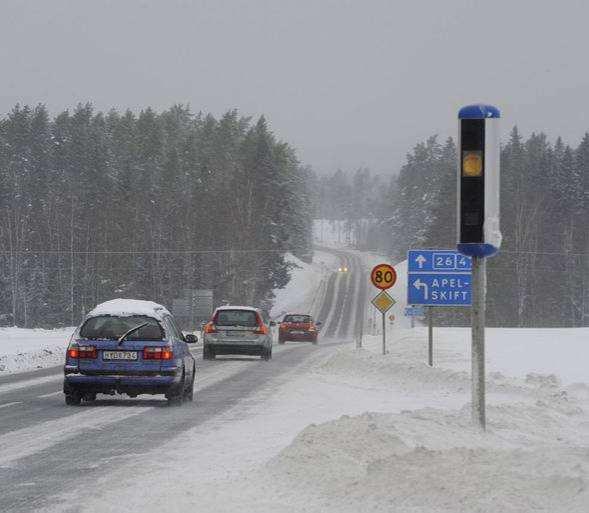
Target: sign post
<point>478,224</point>
<point>383,303</point>
<point>383,276</point>
<point>438,277</point>
<point>430,336</point>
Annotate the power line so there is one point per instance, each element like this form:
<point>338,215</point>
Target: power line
<point>146,252</point>
<point>218,251</point>
<point>531,252</point>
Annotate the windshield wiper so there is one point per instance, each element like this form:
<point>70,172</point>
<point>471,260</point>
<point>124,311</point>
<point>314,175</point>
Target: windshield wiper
<point>126,334</point>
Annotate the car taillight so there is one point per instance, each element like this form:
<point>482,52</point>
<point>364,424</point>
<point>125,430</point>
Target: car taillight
<point>210,328</point>
<point>261,330</point>
<point>76,351</point>
<point>157,353</point>
<point>283,325</point>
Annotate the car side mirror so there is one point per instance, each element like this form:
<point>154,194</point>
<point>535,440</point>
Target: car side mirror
<point>272,323</point>
<point>190,338</point>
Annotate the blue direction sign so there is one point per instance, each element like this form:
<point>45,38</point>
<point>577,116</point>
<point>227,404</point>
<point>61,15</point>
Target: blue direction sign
<point>439,278</point>
<point>414,311</point>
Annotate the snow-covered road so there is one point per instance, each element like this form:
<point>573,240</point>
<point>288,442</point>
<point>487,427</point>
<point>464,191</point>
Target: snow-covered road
<point>47,448</point>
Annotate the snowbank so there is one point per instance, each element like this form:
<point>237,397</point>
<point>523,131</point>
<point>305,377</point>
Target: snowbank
<point>433,461</point>
<point>28,349</point>
<point>301,294</point>
<point>533,456</point>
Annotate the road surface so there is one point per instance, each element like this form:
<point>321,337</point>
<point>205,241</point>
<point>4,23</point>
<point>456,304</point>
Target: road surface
<point>47,448</point>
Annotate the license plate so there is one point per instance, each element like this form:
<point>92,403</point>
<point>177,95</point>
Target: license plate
<point>298,332</point>
<point>236,334</point>
<point>119,355</point>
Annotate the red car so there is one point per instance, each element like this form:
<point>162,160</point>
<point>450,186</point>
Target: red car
<point>298,327</point>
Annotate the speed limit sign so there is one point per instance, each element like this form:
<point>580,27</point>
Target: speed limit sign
<point>383,276</point>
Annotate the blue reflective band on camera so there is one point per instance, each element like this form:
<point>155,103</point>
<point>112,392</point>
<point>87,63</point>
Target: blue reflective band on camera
<point>479,111</point>
<point>477,250</point>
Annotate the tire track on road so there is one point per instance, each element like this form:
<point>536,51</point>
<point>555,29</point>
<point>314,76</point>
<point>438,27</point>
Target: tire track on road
<point>343,279</point>
<point>351,297</point>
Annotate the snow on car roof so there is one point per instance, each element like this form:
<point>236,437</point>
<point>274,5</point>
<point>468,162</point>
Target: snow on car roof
<point>236,307</point>
<point>129,307</point>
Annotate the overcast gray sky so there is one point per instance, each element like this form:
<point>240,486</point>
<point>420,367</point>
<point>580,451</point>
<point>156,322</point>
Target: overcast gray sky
<point>348,83</point>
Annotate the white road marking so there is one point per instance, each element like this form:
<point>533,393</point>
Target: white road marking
<point>9,387</point>
<point>10,404</point>
<point>28,441</point>
<point>59,392</point>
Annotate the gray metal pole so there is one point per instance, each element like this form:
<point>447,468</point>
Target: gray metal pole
<point>384,336</point>
<point>360,332</point>
<point>479,290</point>
<point>430,336</point>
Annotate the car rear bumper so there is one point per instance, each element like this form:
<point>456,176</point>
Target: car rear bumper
<point>254,349</point>
<point>307,336</point>
<point>138,382</point>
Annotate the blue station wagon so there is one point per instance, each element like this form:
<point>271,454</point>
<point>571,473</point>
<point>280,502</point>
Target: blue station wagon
<point>129,347</point>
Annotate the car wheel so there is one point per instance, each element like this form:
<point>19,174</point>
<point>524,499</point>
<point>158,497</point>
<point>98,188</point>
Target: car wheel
<point>315,342</point>
<point>73,399</point>
<point>281,341</point>
<point>189,392</point>
<point>266,354</point>
<point>176,395</point>
<point>89,397</point>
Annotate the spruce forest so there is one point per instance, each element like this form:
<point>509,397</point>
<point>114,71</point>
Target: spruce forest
<point>95,206</point>
<point>144,205</point>
<point>540,277</point>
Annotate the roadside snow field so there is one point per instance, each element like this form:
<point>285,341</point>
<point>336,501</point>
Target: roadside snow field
<point>28,349</point>
<point>560,352</point>
<point>302,293</point>
<point>350,430</point>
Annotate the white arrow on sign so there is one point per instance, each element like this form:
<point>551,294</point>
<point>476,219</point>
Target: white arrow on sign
<point>420,261</point>
<point>419,284</point>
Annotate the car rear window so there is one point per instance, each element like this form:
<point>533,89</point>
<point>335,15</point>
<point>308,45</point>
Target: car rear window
<point>297,318</point>
<point>247,318</point>
<point>112,327</point>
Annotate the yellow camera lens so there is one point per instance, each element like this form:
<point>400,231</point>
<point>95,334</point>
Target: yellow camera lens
<point>472,163</point>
